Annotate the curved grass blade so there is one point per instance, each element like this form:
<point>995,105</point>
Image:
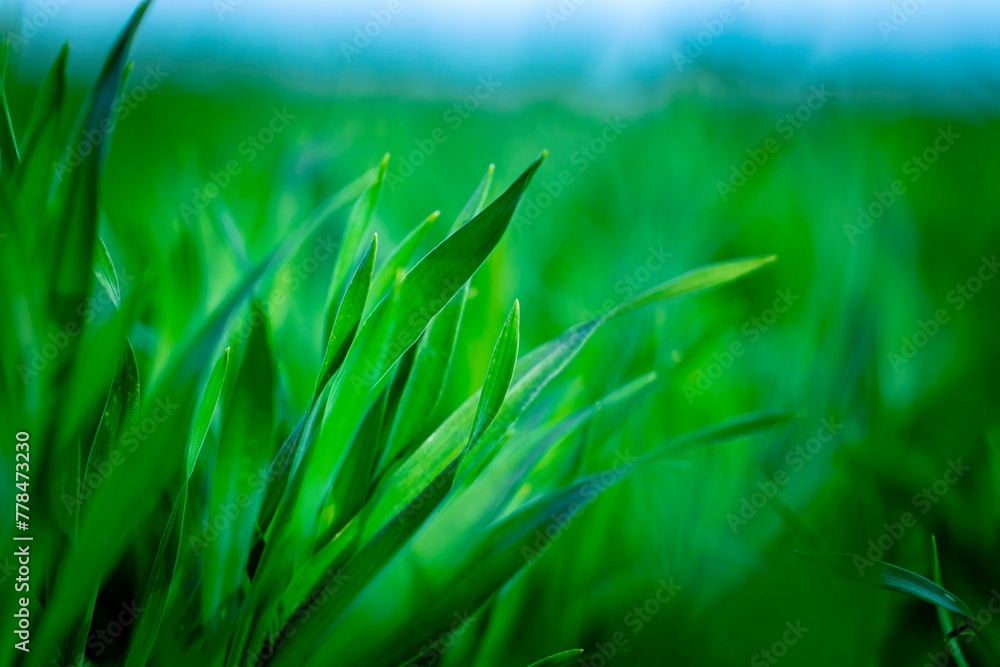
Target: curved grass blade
<point>432,362</point>
<point>696,281</point>
<point>10,157</point>
<point>889,577</point>
<point>559,659</point>
<point>205,411</point>
<point>78,230</point>
<point>498,374</point>
<point>106,274</point>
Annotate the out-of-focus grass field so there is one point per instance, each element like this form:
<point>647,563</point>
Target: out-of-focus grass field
<point>643,209</point>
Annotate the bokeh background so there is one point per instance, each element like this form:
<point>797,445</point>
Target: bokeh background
<point>857,141</point>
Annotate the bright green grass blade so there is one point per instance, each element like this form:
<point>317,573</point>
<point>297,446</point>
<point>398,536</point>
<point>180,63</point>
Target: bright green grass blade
<point>426,385</point>
<point>498,374</point>
<point>77,229</point>
<point>348,317</point>
<point>696,281</point>
<point>154,600</point>
<point>401,256</point>
<point>358,224</point>
<point>10,157</point>
<point>205,411</point>
<point>106,274</point>
<point>944,616</point>
<point>477,201</point>
<point>205,341</point>
<point>479,561</point>
<point>434,353</point>
<point>368,561</point>
<point>436,278</point>
<point>122,501</point>
<point>534,372</point>
<point>559,659</point>
<point>890,577</point>
<point>420,294</point>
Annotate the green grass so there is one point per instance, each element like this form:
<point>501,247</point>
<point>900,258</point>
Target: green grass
<point>342,429</point>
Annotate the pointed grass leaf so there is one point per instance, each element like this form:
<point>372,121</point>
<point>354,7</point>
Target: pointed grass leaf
<point>889,577</point>
<point>559,659</point>
<point>205,411</point>
<point>695,281</point>
<point>498,373</point>
<point>77,235</point>
<point>106,274</point>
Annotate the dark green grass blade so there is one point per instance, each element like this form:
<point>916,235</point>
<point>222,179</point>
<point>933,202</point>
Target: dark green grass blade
<point>48,104</point>
<point>890,577</point>
<point>78,227</point>
<point>559,659</point>
<point>154,601</point>
<point>944,616</point>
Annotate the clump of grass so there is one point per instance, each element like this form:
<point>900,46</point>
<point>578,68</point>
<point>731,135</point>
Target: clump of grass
<point>257,543</point>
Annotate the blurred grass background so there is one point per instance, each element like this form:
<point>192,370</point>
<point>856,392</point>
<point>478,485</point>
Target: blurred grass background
<point>652,191</point>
